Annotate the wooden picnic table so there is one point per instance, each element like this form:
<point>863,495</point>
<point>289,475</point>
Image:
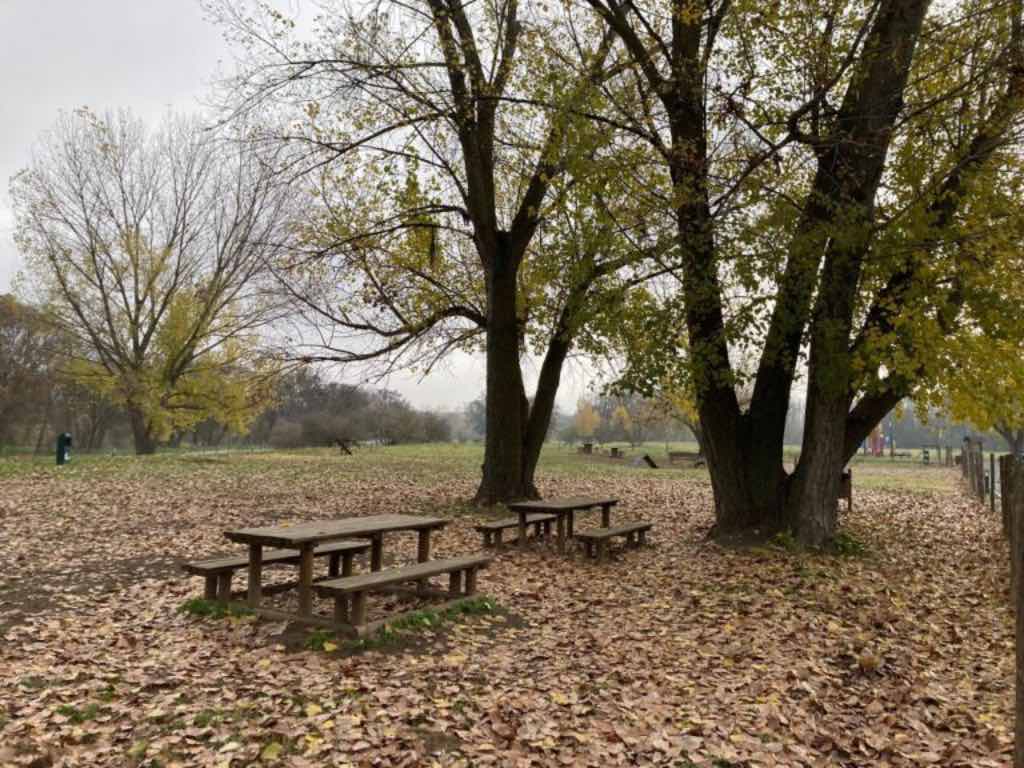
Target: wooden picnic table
<point>565,509</point>
<point>305,537</point>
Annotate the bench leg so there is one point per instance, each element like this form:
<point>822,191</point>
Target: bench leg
<point>455,583</point>
<point>572,518</point>
<point>547,530</point>
<point>224,586</point>
<point>642,535</point>
<point>561,534</point>
<point>602,550</point>
<point>346,564</point>
<point>255,575</point>
<point>341,609</point>
<point>498,536</point>
<point>471,581</point>
<point>359,608</point>
<point>536,530</point>
<point>631,539</point>
<point>606,516</point>
<point>210,589</point>
<point>306,580</point>
<point>522,530</point>
<point>333,566</point>
<point>487,539</point>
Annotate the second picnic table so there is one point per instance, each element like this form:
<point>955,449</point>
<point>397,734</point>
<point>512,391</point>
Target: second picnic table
<point>306,536</point>
<point>565,510</point>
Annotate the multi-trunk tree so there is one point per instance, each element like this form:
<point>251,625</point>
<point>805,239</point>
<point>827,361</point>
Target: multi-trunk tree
<point>827,163</point>
<point>463,197</point>
<point>147,249</point>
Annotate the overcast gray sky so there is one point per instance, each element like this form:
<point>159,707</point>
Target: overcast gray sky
<point>148,55</point>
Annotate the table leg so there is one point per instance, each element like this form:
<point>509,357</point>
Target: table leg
<point>422,555</point>
<point>377,552</point>
<point>255,575</point>
<point>522,529</point>
<point>606,516</point>
<point>560,533</point>
<point>572,518</point>
<point>306,580</point>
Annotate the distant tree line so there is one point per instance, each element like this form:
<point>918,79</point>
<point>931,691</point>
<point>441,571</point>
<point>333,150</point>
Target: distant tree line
<point>40,398</point>
<point>311,410</point>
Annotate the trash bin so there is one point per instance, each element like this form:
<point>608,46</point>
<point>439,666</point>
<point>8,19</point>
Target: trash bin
<point>63,448</point>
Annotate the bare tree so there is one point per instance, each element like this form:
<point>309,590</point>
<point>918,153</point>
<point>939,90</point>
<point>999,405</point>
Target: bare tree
<point>149,249</point>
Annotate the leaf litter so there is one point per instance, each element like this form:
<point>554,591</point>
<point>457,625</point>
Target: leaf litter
<point>683,653</point>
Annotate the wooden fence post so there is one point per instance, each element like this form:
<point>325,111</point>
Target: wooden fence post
<point>1016,488</point>
<point>979,471</point>
<point>1005,468</point>
<point>992,481</point>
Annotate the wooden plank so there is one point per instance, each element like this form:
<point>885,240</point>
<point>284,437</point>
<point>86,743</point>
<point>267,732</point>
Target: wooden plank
<point>561,505</point>
<point>295,536</point>
<point>271,557</point>
<point>378,579</point>
<point>511,522</point>
<point>600,534</point>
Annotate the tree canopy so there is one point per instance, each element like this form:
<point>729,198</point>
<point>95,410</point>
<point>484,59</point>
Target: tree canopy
<point>147,248</point>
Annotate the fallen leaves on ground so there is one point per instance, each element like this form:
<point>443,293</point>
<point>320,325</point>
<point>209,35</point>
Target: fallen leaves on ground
<point>682,653</point>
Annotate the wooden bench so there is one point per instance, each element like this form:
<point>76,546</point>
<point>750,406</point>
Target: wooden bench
<point>218,571</point>
<point>492,530</point>
<point>675,457</point>
<point>635,533</point>
<point>461,582</point>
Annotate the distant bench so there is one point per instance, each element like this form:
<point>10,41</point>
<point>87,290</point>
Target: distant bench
<point>679,457</point>
<point>462,582</point>
<point>492,530</point>
<point>218,571</point>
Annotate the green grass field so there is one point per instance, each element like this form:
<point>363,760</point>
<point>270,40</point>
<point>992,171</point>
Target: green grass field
<point>426,461</point>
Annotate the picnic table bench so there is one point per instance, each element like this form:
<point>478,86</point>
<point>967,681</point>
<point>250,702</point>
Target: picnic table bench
<point>306,537</point>
<point>219,571</point>
<point>564,510</point>
<point>634,532</point>
<point>462,582</point>
<point>493,529</point>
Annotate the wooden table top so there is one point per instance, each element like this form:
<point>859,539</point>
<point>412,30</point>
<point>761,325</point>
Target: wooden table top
<point>328,530</point>
<point>561,505</point>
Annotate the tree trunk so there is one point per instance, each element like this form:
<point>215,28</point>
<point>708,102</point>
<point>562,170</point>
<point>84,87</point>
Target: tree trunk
<point>507,409</point>
<point>544,399</point>
<point>142,431</point>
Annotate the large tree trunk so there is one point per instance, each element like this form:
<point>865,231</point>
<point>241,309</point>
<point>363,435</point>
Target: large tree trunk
<point>142,432</point>
<point>507,408</point>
